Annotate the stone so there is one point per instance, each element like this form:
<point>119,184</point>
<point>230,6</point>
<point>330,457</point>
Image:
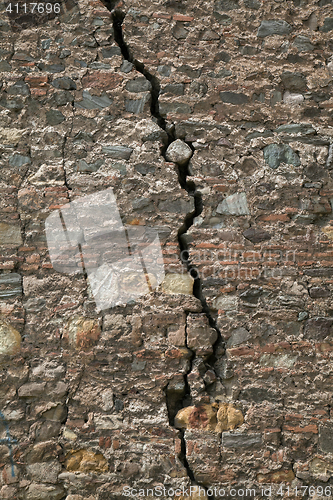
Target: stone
<point>275,154</point>
<point>31,390</point>
<point>10,285</point>
<point>233,97</point>
<point>140,84</point>
<point>19,88</point>
<point>54,117</point>
<point>258,395</point>
<point>296,128</point>
<point>86,461</point>
<point>317,292</point>
<point>179,32</point>
<point>126,67</point>
<point>318,328</point>
<point>238,336</point>
<point>178,152</point>
<point>292,98</point>
<point>178,283</point>
<point>328,230</point>
<point>44,492</point>
<point>10,339</point>
<point>101,80</point>
<point>174,107</point>
<point>82,333</point>
<point>64,83</point>
<point>228,418</point>
<point>293,81</point>
<point>225,5</point>
<point>327,26</point>
<point>173,88</point>
<point>226,303</point>
<point>252,4</point>
<point>83,166</point>
<point>302,316</point>
<point>273,27</point>
<point>17,160</point>
<point>241,440</point>
<point>41,470</point>
<point>235,204</point>
<point>201,417</point>
<point>5,66</point>
<point>117,152</point>
<point>303,44</point>
<point>10,235</point>
<point>280,476</point>
<point>150,131</point>
<point>111,52</point>
<point>93,102</point>
<point>137,106</point>
<point>256,235</point>
<point>200,336</point>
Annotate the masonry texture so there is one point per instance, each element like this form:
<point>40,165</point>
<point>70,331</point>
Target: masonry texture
<point>212,121</point>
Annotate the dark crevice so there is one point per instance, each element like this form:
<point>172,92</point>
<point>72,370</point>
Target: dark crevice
<point>174,400</point>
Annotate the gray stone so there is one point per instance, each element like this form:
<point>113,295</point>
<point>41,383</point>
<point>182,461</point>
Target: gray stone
<point>54,117</point>
<point>296,128</point>
<point>238,336</point>
<point>325,440</point>
<point>173,88</point>
<point>46,43</point>
<point>5,66</point>
<point>259,394</point>
<point>10,285</point>
<point>19,88</point>
<point>117,152</point>
<point>255,235</point>
<point>12,104</point>
<point>137,106</point>
<point>233,97</point>
<point>273,27</point>
<point>64,83</point>
<point>60,98</point>
<point>276,97</point>
<point>176,206</point>
<point>317,292</point>
<point>252,4</point>
<point>93,102</point>
<point>178,152</point>
<point>83,136</point>
<point>225,5</point>
<point>141,202</point>
<point>275,154</point>
<point>251,296</point>
<point>303,44</point>
<point>328,25</point>
<point>174,107</point>
<point>304,219</point>
<point>126,67</point>
<point>164,70</point>
<point>222,19</point>
<point>10,234</point>
<point>41,470</point>
<point>140,84</point>
<point>235,204</point>
<point>44,492</point>
<point>99,65</point>
<point>53,68</point>
<point>318,328</point>
<point>152,132</point>
<point>302,316</point>
<point>240,440</point>
<point>145,168</point>
<point>179,32</point>
<point>293,81</point>
<point>64,53</point>
<point>112,51</point>
<point>17,160</point>
<point>31,389</point>
<point>89,167</point>
<point>322,271</point>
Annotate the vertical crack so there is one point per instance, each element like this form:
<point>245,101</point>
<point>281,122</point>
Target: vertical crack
<point>180,401</point>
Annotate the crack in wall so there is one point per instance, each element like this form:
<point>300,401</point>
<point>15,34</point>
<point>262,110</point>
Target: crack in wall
<point>117,17</point>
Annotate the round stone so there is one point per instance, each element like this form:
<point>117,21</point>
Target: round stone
<point>178,152</point>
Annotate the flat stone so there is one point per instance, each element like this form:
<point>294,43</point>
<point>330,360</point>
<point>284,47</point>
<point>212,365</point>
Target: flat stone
<point>54,117</point>
<point>255,235</point>
<point>273,27</point>
<point>240,440</point>
<point>292,98</point>
<point>251,296</point>
<point>126,67</point>
<point>110,52</point>
<point>235,204</point>
<point>303,44</point>
<point>31,390</point>
<point>293,81</point>
<point>82,333</point>
<point>275,154</point>
<point>44,492</point>
<point>10,234</point>
<point>19,88</point>
<point>259,394</point>
<point>118,152</point>
<point>137,106</point>
<point>64,83</point>
<point>5,66</point>
<point>89,167</point>
<point>10,339</point>
<point>318,328</point>
<point>174,107</point>
<point>317,292</point>
<point>252,4</point>
<point>173,88</point>
<point>325,440</point>
<point>238,336</point>
<point>328,25</point>
<point>92,102</point>
<point>41,470</point>
<point>10,285</point>
<point>178,152</point>
<point>86,461</point>
<point>233,97</point>
<point>322,271</point>
<point>178,283</point>
<point>296,128</point>
<point>225,5</point>
<point>17,160</point>
<point>140,84</point>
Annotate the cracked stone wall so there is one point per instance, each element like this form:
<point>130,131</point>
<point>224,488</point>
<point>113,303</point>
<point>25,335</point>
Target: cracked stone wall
<point>212,123</point>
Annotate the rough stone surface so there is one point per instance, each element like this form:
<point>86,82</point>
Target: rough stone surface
<point>178,152</point>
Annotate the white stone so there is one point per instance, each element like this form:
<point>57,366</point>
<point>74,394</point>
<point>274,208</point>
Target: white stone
<point>292,98</point>
<point>178,152</point>
<point>236,204</point>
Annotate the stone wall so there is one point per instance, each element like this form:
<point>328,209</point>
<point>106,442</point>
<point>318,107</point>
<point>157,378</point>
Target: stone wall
<point>212,123</point>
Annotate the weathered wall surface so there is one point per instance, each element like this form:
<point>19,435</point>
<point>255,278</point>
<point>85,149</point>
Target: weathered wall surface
<point>223,375</point>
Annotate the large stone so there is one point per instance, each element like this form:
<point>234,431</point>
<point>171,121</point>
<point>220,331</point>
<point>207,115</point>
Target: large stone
<point>279,476</point>
<point>117,152</point>
<point>328,25</point>
<point>64,83</point>
<point>228,418</point>
<point>19,88</point>
<point>225,5</point>
<point>235,204</point>
<point>202,417</point>
<point>86,461</point>
<point>200,336</point>
<point>92,101</point>
<point>318,328</point>
<point>31,389</point>
<point>54,117</point>
<point>10,339</point>
<point>17,160</point>
<point>137,106</point>
<point>10,285</point>
<point>233,97</point>
<point>41,470</point>
<point>178,283</point>
<point>44,492</point>
<point>241,440</point>
<point>82,333</point>
<point>325,440</point>
<point>273,27</point>
<point>178,152</point>
<point>238,336</point>
<point>294,82</point>
<point>296,128</point>
<point>255,235</point>
<point>275,154</point>
<point>303,44</point>
<point>10,235</point>
<point>140,84</point>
